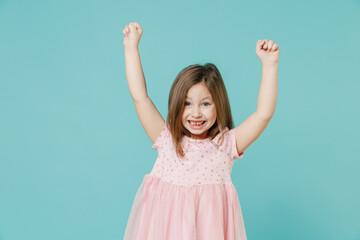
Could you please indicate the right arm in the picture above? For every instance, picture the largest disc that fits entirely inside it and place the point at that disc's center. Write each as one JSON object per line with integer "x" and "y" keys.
{"x": 149, "y": 116}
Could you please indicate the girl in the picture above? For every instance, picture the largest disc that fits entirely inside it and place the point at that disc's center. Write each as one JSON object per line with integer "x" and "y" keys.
{"x": 189, "y": 194}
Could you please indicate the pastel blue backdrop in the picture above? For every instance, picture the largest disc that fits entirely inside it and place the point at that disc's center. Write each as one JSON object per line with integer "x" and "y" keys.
{"x": 73, "y": 152}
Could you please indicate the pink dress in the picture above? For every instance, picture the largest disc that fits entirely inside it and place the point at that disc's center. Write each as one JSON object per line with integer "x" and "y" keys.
{"x": 189, "y": 198}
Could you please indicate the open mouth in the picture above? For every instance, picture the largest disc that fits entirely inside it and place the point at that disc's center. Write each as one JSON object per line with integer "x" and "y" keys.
{"x": 196, "y": 124}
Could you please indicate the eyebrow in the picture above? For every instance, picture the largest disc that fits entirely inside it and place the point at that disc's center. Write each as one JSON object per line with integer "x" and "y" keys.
{"x": 209, "y": 97}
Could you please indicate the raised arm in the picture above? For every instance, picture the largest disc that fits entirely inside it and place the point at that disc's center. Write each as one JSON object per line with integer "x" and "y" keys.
{"x": 149, "y": 116}
{"x": 249, "y": 130}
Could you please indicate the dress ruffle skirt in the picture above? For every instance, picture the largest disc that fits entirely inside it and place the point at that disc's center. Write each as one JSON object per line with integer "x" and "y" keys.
{"x": 166, "y": 211}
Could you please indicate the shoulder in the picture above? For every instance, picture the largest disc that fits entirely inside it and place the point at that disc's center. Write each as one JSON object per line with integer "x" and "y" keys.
{"x": 227, "y": 141}
{"x": 162, "y": 138}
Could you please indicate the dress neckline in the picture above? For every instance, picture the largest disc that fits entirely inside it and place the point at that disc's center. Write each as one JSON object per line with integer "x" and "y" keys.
{"x": 196, "y": 140}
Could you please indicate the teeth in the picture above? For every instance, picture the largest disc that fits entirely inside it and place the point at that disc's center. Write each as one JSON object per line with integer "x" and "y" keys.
{"x": 196, "y": 123}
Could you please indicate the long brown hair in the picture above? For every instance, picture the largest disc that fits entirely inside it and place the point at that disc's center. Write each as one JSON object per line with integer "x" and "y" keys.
{"x": 189, "y": 76}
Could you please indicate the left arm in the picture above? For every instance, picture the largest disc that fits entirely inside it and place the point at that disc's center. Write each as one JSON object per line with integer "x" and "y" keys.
{"x": 249, "y": 130}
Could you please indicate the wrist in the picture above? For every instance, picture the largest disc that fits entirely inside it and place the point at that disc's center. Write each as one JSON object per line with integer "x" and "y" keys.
{"x": 131, "y": 48}
{"x": 270, "y": 64}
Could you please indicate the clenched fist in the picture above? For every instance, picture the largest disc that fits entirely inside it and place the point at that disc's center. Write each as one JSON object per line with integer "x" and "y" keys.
{"x": 267, "y": 51}
{"x": 132, "y": 34}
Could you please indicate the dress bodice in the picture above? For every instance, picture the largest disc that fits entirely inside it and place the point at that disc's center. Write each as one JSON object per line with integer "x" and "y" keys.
{"x": 206, "y": 161}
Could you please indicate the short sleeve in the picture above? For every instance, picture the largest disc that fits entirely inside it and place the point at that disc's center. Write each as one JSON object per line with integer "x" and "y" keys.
{"x": 161, "y": 138}
{"x": 233, "y": 149}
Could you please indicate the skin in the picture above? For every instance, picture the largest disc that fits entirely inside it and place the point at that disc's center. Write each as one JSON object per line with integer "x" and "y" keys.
{"x": 199, "y": 106}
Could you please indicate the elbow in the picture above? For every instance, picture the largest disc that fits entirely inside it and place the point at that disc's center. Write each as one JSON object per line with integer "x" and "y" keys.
{"x": 140, "y": 98}
{"x": 265, "y": 116}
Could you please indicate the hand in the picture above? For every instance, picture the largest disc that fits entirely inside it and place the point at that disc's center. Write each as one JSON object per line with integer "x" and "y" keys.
{"x": 267, "y": 51}
{"x": 132, "y": 33}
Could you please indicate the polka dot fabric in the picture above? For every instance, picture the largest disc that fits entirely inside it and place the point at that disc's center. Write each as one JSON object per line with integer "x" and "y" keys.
{"x": 191, "y": 197}
{"x": 203, "y": 163}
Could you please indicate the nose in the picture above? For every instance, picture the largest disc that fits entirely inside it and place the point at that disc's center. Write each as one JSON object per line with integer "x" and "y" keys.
{"x": 196, "y": 112}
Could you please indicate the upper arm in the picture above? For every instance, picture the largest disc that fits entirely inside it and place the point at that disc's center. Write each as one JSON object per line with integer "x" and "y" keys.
{"x": 249, "y": 130}
{"x": 150, "y": 118}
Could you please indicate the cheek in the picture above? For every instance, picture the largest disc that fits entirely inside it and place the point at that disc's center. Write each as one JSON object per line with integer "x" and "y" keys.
{"x": 184, "y": 115}
{"x": 212, "y": 113}
{"x": 214, "y": 116}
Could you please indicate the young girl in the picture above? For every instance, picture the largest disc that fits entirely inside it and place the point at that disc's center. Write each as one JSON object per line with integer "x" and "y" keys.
{"x": 189, "y": 194}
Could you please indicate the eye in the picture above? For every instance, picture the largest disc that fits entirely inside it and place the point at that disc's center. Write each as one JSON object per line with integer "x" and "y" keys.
{"x": 206, "y": 103}
{"x": 186, "y": 103}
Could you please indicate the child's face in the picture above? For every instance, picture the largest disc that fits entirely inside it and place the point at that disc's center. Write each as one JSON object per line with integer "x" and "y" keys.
{"x": 199, "y": 107}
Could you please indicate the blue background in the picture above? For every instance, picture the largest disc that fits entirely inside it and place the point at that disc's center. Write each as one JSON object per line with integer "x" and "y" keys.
{"x": 73, "y": 152}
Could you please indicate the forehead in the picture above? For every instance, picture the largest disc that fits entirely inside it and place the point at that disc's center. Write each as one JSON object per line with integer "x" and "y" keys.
{"x": 198, "y": 90}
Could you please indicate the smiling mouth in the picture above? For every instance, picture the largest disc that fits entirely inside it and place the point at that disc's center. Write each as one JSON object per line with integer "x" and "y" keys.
{"x": 196, "y": 123}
